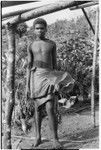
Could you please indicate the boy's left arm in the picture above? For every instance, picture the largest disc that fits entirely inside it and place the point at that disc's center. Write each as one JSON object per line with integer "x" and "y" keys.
{"x": 54, "y": 60}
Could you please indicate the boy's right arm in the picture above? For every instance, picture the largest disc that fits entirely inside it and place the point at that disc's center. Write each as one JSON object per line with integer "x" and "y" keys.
{"x": 30, "y": 63}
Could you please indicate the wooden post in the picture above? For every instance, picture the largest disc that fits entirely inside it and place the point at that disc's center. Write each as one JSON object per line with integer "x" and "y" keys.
{"x": 0, "y": 94}
{"x": 10, "y": 99}
{"x": 94, "y": 65}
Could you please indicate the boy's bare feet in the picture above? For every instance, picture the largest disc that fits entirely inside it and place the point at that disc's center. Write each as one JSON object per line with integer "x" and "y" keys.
{"x": 56, "y": 144}
{"x": 37, "y": 142}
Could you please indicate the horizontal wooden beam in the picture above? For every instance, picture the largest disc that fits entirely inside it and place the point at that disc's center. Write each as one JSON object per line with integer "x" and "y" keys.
{"x": 84, "y": 5}
{"x": 14, "y": 3}
{"x": 12, "y": 14}
{"x": 46, "y": 10}
{"x": 18, "y": 12}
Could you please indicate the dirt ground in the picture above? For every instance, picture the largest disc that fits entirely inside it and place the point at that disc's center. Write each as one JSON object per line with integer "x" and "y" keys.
{"x": 75, "y": 131}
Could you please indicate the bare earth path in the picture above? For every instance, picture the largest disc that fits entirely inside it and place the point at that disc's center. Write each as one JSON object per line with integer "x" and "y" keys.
{"x": 75, "y": 131}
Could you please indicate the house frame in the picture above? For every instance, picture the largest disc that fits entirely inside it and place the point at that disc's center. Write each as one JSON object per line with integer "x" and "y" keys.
{"x": 22, "y": 16}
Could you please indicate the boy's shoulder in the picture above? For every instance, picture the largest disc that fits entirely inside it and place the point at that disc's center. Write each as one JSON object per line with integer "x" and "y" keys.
{"x": 52, "y": 42}
{"x": 46, "y": 40}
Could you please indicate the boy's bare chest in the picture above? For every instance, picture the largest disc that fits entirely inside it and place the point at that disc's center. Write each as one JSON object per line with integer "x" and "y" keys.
{"x": 42, "y": 47}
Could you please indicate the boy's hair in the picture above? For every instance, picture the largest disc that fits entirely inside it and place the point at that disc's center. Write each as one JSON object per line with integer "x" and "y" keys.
{"x": 40, "y": 21}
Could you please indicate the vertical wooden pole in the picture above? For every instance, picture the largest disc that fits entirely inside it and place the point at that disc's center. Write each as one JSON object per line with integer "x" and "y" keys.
{"x": 94, "y": 65}
{"x": 0, "y": 90}
{"x": 10, "y": 99}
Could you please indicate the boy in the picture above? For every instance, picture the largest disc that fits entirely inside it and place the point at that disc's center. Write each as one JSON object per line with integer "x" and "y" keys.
{"x": 43, "y": 80}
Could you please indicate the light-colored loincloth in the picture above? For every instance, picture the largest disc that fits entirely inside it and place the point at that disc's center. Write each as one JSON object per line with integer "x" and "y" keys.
{"x": 44, "y": 82}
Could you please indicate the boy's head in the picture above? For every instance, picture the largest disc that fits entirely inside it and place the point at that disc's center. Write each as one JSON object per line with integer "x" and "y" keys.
{"x": 40, "y": 21}
{"x": 40, "y": 27}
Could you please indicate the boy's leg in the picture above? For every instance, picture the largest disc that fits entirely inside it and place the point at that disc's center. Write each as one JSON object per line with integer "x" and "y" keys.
{"x": 38, "y": 120}
{"x": 52, "y": 123}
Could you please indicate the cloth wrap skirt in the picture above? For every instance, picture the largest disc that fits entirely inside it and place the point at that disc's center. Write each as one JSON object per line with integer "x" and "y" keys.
{"x": 44, "y": 82}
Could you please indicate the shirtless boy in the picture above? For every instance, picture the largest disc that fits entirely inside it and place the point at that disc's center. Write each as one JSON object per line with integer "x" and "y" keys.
{"x": 43, "y": 80}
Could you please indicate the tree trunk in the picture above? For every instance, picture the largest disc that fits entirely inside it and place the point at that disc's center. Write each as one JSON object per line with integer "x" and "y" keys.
{"x": 10, "y": 99}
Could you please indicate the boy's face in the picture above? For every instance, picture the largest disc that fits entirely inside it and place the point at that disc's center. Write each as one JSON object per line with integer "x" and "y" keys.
{"x": 40, "y": 30}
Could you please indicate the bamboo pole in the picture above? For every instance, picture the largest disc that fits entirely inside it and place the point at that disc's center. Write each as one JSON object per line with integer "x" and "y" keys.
{"x": 46, "y": 10}
{"x": 10, "y": 99}
{"x": 94, "y": 65}
{"x": 84, "y": 5}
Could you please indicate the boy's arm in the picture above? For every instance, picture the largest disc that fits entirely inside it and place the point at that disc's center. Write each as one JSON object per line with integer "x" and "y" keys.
{"x": 54, "y": 60}
{"x": 30, "y": 63}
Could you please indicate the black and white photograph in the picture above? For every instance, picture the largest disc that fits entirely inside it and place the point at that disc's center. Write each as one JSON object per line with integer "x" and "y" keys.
{"x": 50, "y": 56}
